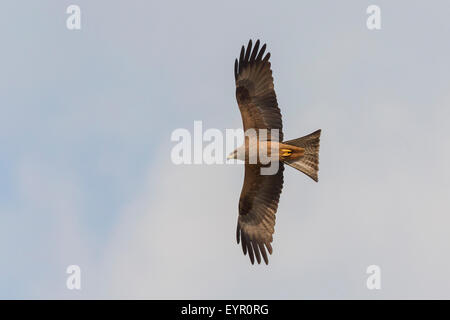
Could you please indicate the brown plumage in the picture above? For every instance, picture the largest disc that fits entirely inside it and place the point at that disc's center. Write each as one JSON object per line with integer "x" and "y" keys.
{"x": 260, "y": 194}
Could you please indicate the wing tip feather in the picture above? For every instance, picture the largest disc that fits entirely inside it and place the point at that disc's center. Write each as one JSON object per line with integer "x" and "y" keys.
{"x": 256, "y": 249}
{"x": 251, "y": 54}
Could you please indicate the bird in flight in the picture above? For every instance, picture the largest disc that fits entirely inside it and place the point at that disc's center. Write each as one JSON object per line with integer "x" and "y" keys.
{"x": 260, "y": 193}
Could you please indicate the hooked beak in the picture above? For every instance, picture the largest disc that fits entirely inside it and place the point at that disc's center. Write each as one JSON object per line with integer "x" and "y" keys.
{"x": 230, "y": 156}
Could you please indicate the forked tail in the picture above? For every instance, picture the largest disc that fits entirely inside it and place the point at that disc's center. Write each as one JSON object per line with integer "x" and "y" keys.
{"x": 309, "y": 162}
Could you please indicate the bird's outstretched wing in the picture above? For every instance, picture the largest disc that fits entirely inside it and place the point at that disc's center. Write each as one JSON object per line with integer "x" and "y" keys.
{"x": 257, "y": 207}
{"x": 260, "y": 193}
{"x": 254, "y": 91}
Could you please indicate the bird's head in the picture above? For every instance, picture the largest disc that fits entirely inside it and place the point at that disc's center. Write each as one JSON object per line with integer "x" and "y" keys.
{"x": 239, "y": 154}
{"x": 232, "y": 155}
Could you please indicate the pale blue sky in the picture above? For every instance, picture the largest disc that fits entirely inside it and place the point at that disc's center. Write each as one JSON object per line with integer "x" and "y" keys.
{"x": 85, "y": 171}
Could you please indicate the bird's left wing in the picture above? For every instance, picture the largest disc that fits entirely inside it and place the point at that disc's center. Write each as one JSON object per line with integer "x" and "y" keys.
{"x": 255, "y": 92}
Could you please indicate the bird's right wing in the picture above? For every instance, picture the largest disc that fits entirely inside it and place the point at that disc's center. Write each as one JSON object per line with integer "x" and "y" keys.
{"x": 257, "y": 207}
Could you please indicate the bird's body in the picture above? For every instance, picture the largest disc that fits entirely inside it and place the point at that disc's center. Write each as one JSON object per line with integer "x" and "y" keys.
{"x": 276, "y": 151}
{"x": 260, "y": 193}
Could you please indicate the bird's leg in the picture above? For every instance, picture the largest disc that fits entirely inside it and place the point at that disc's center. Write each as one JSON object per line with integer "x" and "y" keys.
{"x": 290, "y": 152}
{"x": 286, "y": 152}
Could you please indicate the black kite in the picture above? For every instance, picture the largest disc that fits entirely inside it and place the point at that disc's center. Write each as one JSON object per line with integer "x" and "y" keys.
{"x": 260, "y": 194}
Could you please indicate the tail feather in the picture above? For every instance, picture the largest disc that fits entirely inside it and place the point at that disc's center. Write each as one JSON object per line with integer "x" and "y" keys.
{"x": 309, "y": 162}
